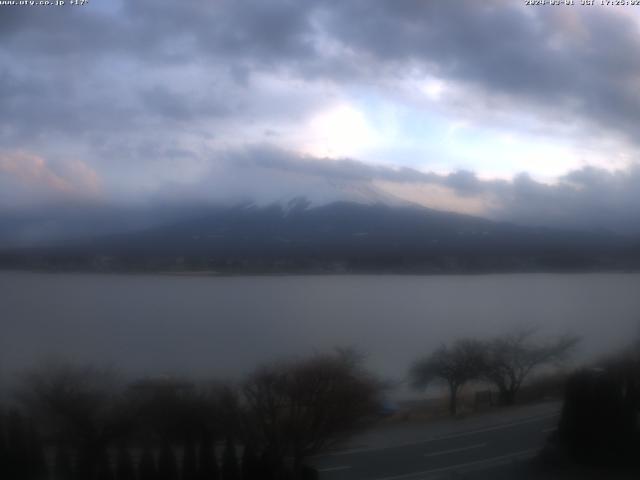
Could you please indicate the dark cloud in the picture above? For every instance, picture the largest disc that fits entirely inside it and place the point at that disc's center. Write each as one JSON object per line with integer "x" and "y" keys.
{"x": 586, "y": 198}
{"x": 571, "y": 61}
{"x": 464, "y": 183}
{"x": 179, "y": 105}
{"x": 343, "y": 169}
{"x": 249, "y": 31}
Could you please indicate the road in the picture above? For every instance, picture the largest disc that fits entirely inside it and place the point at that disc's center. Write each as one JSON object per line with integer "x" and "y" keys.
{"x": 463, "y": 451}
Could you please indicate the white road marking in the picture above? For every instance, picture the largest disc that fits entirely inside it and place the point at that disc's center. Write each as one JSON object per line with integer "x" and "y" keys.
{"x": 487, "y": 461}
{"x": 334, "y": 469}
{"x": 454, "y": 450}
{"x": 445, "y": 437}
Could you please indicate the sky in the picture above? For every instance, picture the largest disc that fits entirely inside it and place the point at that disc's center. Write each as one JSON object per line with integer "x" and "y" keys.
{"x": 496, "y": 109}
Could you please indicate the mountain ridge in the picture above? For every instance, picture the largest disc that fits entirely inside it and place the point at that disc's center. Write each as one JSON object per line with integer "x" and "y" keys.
{"x": 341, "y": 236}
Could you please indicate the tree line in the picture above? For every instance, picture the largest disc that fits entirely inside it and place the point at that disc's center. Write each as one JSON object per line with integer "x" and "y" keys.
{"x": 505, "y": 362}
{"x": 71, "y": 422}
{"x": 85, "y": 423}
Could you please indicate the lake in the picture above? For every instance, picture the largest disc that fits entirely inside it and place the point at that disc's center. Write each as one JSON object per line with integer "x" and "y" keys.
{"x": 225, "y": 326}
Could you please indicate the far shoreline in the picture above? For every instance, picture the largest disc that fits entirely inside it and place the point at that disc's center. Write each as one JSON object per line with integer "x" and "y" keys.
{"x": 319, "y": 273}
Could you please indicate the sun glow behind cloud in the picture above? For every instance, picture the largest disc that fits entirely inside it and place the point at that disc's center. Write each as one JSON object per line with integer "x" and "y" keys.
{"x": 433, "y": 89}
{"x": 339, "y": 132}
{"x": 387, "y": 132}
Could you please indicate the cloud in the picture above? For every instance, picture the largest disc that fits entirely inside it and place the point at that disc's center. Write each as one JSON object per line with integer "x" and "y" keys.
{"x": 584, "y": 199}
{"x": 498, "y": 53}
{"x": 165, "y": 99}
{"x": 32, "y": 170}
{"x": 27, "y": 179}
{"x": 590, "y": 198}
{"x": 554, "y": 63}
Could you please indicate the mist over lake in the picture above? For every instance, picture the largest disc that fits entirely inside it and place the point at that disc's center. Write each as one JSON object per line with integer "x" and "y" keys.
{"x": 225, "y": 326}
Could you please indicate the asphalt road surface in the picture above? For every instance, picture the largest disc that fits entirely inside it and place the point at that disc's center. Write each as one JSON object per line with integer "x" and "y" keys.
{"x": 468, "y": 454}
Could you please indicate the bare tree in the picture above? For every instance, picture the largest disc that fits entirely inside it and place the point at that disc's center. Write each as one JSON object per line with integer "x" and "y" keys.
{"x": 454, "y": 365}
{"x": 176, "y": 409}
{"x": 301, "y": 408}
{"x": 77, "y": 406}
{"x": 512, "y": 357}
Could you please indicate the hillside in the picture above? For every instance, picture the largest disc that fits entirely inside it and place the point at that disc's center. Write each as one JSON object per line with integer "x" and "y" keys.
{"x": 340, "y": 236}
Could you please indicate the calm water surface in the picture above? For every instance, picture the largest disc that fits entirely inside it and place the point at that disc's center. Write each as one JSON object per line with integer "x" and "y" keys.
{"x": 224, "y": 326}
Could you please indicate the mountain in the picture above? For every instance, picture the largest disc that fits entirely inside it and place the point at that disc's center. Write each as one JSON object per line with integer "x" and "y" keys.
{"x": 340, "y": 236}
